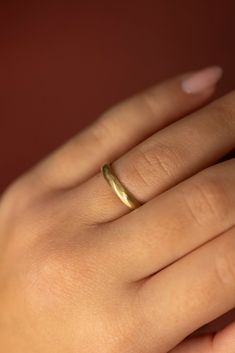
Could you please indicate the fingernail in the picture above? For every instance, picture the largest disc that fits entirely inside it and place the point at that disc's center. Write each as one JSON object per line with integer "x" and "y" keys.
{"x": 201, "y": 80}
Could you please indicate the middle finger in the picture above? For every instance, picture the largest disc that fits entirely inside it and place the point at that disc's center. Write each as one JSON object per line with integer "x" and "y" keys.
{"x": 163, "y": 160}
{"x": 173, "y": 224}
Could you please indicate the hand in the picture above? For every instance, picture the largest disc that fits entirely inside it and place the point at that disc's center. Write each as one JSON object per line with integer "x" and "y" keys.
{"x": 81, "y": 273}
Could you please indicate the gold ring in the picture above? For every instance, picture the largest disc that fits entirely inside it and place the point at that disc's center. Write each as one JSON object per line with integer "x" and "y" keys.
{"x": 124, "y": 195}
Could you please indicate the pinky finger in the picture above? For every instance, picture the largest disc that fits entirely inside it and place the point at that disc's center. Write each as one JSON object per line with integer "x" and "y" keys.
{"x": 221, "y": 342}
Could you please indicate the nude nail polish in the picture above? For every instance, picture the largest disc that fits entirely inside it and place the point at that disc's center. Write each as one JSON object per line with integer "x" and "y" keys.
{"x": 201, "y": 80}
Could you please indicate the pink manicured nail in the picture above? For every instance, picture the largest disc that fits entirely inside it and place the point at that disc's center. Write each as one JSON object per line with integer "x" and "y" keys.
{"x": 201, "y": 80}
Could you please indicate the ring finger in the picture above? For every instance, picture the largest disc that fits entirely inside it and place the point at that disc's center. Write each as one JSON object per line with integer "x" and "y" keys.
{"x": 164, "y": 159}
{"x": 119, "y": 129}
{"x": 171, "y": 225}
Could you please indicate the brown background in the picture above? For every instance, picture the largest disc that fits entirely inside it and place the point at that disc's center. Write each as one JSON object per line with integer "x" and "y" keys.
{"x": 63, "y": 63}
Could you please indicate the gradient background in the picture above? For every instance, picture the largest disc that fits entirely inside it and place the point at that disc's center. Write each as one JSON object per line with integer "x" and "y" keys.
{"x": 63, "y": 63}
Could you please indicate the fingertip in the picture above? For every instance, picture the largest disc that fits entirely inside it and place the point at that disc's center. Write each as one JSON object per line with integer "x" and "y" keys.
{"x": 201, "y": 81}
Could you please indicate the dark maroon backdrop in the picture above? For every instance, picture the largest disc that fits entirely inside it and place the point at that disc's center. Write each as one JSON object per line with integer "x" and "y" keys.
{"x": 63, "y": 63}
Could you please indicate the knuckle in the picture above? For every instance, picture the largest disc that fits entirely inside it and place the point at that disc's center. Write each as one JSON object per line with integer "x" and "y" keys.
{"x": 148, "y": 100}
{"x": 78, "y": 265}
{"x": 47, "y": 270}
{"x": 29, "y": 218}
{"x": 123, "y": 336}
{"x": 225, "y": 263}
{"x": 207, "y": 199}
{"x": 224, "y": 110}
{"x": 14, "y": 199}
{"x": 21, "y": 195}
{"x": 139, "y": 169}
{"x": 154, "y": 163}
{"x": 100, "y": 130}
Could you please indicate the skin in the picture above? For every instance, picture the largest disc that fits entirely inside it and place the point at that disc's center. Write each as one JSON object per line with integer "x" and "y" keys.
{"x": 81, "y": 273}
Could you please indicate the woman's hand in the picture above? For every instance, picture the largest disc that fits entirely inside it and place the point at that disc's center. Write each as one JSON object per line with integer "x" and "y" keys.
{"x": 81, "y": 273}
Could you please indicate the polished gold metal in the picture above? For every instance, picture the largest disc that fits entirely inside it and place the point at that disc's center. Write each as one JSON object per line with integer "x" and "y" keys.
{"x": 124, "y": 195}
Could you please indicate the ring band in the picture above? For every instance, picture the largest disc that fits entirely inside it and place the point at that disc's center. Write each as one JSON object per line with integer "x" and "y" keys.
{"x": 124, "y": 195}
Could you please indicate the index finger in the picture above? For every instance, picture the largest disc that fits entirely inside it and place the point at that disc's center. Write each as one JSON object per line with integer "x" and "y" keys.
{"x": 123, "y": 126}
